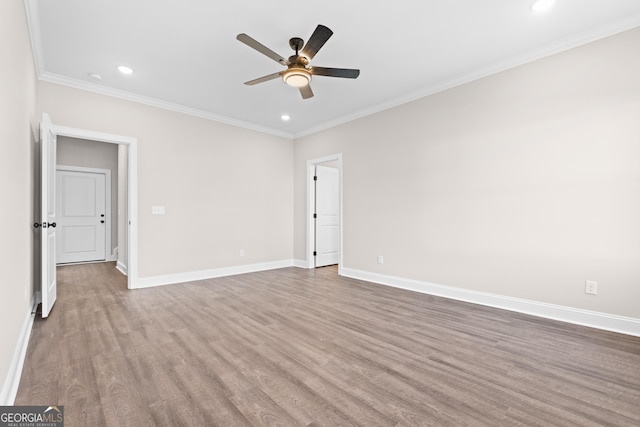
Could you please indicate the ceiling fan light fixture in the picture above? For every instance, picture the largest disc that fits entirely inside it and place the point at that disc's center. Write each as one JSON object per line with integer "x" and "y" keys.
{"x": 299, "y": 72}
{"x": 296, "y": 77}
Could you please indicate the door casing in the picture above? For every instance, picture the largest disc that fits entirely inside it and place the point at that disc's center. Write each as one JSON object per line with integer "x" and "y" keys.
{"x": 132, "y": 188}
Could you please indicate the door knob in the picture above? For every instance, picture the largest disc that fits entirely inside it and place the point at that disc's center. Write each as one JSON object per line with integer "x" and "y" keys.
{"x": 102, "y": 222}
{"x": 102, "y": 215}
{"x": 45, "y": 224}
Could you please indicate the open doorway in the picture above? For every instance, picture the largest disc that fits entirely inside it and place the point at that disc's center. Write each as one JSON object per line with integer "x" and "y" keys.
{"x": 324, "y": 211}
{"x": 126, "y": 213}
{"x": 87, "y": 202}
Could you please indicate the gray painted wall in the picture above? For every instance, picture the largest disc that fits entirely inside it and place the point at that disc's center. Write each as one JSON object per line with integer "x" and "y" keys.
{"x": 18, "y": 135}
{"x": 522, "y": 184}
{"x": 224, "y": 188}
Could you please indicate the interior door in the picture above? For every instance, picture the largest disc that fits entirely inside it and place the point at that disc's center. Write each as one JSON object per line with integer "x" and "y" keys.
{"x": 81, "y": 210}
{"x": 48, "y": 282}
{"x": 327, "y": 216}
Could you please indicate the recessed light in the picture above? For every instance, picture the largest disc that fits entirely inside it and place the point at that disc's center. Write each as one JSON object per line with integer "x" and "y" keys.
{"x": 285, "y": 117}
{"x": 542, "y": 5}
{"x": 124, "y": 69}
{"x": 95, "y": 76}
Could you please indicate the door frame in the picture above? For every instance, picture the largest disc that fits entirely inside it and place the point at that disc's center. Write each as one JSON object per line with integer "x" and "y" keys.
{"x": 132, "y": 188}
{"x": 108, "y": 253}
{"x": 311, "y": 197}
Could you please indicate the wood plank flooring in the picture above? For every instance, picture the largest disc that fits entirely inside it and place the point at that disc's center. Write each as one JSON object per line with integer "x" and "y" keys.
{"x": 296, "y": 347}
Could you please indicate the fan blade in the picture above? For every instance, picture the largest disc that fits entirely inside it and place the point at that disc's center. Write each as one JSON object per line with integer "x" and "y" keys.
{"x": 316, "y": 41}
{"x": 347, "y": 73}
{"x": 263, "y": 79}
{"x": 252, "y": 43}
{"x": 306, "y": 92}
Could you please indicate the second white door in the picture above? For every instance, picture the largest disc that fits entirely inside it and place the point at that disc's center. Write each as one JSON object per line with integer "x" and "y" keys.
{"x": 82, "y": 222}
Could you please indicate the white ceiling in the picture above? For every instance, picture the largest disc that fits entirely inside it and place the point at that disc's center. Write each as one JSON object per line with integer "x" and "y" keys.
{"x": 186, "y": 56}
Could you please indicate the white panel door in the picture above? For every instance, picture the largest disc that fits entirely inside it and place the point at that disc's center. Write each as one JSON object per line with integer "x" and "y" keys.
{"x": 81, "y": 201}
{"x": 48, "y": 282}
{"x": 327, "y": 216}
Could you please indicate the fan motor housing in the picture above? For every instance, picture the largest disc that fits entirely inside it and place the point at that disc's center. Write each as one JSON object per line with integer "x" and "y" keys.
{"x": 296, "y": 43}
{"x": 298, "y": 60}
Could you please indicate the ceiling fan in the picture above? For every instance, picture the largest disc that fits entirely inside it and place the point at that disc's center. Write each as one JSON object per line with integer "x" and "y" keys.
{"x": 298, "y": 73}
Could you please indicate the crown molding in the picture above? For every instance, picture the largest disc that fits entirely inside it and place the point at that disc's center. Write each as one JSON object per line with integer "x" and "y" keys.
{"x": 157, "y": 103}
{"x": 568, "y": 43}
{"x": 33, "y": 24}
{"x": 550, "y": 49}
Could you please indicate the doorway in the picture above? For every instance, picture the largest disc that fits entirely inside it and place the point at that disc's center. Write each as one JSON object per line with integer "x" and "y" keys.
{"x": 127, "y": 182}
{"x": 324, "y": 212}
{"x": 82, "y": 155}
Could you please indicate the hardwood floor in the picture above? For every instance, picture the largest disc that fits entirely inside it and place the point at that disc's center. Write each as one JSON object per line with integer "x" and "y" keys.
{"x": 296, "y": 347}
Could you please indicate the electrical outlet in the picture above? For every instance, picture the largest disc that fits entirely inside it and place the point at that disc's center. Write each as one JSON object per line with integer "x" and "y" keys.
{"x": 241, "y": 252}
{"x": 380, "y": 259}
{"x": 591, "y": 287}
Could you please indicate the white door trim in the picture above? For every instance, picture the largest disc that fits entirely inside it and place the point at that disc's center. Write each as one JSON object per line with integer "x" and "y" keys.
{"x": 132, "y": 189}
{"x": 311, "y": 191}
{"x": 108, "y": 253}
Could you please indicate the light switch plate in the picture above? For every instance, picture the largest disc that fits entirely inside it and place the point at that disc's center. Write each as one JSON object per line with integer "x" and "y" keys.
{"x": 591, "y": 287}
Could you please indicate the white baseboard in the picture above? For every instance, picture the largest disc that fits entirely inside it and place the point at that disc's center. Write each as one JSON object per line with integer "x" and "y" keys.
{"x": 147, "y": 282}
{"x": 113, "y": 256}
{"x": 12, "y": 381}
{"x": 121, "y": 268}
{"x": 594, "y": 319}
{"x": 300, "y": 263}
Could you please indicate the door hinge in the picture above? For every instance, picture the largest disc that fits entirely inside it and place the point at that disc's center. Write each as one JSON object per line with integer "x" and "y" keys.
{"x": 315, "y": 178}
{"x": 315, "y": 216}
{"x": 315, "y": 253}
